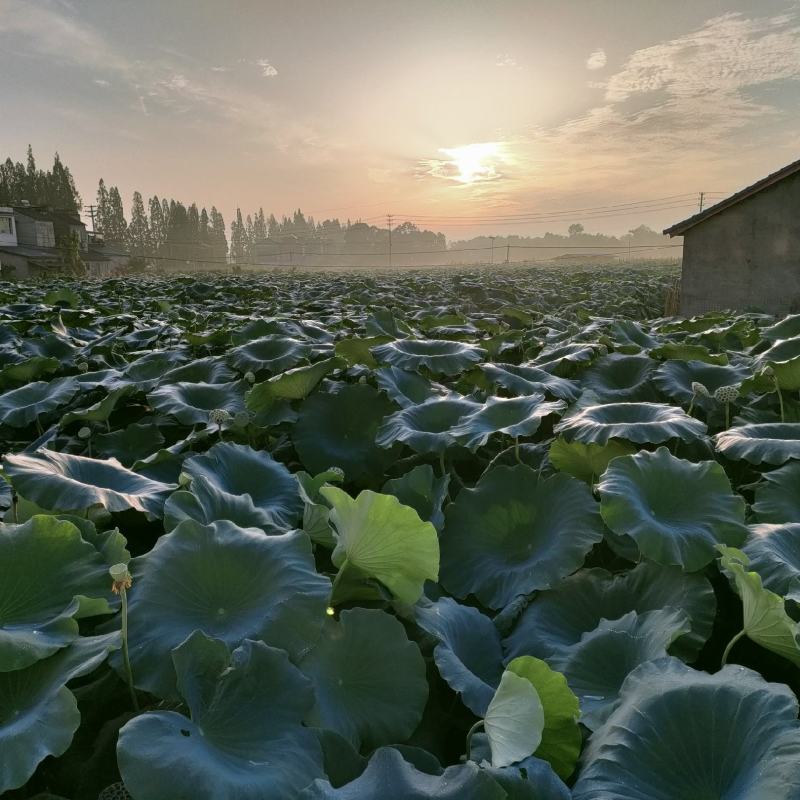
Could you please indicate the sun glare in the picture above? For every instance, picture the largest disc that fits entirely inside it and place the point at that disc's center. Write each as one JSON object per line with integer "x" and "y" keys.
{"x": 474, "y": 162}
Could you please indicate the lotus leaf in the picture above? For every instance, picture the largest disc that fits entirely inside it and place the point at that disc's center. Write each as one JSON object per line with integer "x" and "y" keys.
{"x": 681, "y": 733}
{"x": 764, "y": 443}
{"x": 618, "y": 378}
{"x": 675, "y": 379}
{"x": 423, "y": 491}
{"x": 292, "y": 385}
{"x": 777, "y": 497}
{"x": 272, "y": 353}
{"x": 525, "y": 380}
{"x": 21, "y": 407}
{"x": 586, "y": 461}
{"x": 190, "y": 403}
{"x": 440, "y": 356}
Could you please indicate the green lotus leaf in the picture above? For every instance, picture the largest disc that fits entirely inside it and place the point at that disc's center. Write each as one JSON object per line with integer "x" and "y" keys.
{"x": 515, "y": 533}
{"x": 382, "y": 539}
{"x": 426, "y": 428}
{"x": 129, "y": 444}
{"x": 202, "y": 370}
{"x": 786, "y": 328}
{"x": 383, "y": 323}
{"x": 784, "y": 358}
{"x": 586, "y": 461}
{"x": 338, "y": 427}
{"x": 21, "y": 407}
{"x": 357, "y": 350}
{"x": 146, "y": 371}
{"x": 777, "y": 496}
{"x": 618, "y": 378}
{"x": 60, "y": 482}
{"x": 564, "y": 359}
{"x": 6, "y": 497}
{"x": 99, "y": 411}
{"x": 315, "y": 510}
{"x": 764, "y": 443}
{"x": 49, "y": 577}
{"x": 774, "y": 553}
{"x": 468, "y": 654}
{"x": 681, "y": 733}
{"x": 515, "y": 416}
{"x": 557, "y": 619}
{"x": 190, "y": 403}
{"x": 295, "y": 384}
{"x": 234, "y": 482}
{"x": 641, "y": 423}
{"x": 514, "y": 720}
{"x": 390, "y": 777}
{"x": 272, "y": 353}
{"x": 688, "y": 351}
{"x": 440, "y": 356}
{"x": 407, "y": 388}
{"x": 675, "y": 379}
{"x": 231, "y": 583}
{"x": 369, "y": 679}
{"x": 596, "y": 667}
{"x": 28, "y": 370}
{"x": 561, "y": 736}
{"x": 38, "y": 714}
{"x": 244, "y": 740}
{"x": 765, "y": 620}
{"x": 64, "y": 297}
{"x": 529, "y": 779}
{"x": 676, "y": 511}
{"x": 525, "y": 380}
{"x": 423, "y": 491}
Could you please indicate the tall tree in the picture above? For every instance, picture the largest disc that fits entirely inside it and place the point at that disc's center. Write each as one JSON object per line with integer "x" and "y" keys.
{"x": 32, "y": 179}
{"x": 103, "y": 212}
{"x": 116, "y": 224}
{"x": 238, "y": 238}
{"x": 139, "y": 239}
{"x": 158, "y": 227}
{"x": 218, "y": 233}
{"x": 203, "y": 231}
{"x": 61, "y": 190}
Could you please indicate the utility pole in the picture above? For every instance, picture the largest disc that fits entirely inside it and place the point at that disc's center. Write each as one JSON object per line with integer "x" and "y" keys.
{"x": 492, "y": 258}
{"x": 389, "y": 224}
{"x": 702, "y": 197}
{"x": 92, "y": 212}
{"x": 508, "y": 251}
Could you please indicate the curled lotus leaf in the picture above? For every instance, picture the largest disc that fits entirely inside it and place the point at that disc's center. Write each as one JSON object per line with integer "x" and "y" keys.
{"x": 202, "y": 370}
{"x": 38, "y": 713}
{"x": 777, "y": 495}
{"x": 784, "y": 359}
{"x": 427, "y": 427}
{"x": 190, "y": 403}
{"x": 272, "y": 353}
{"x": 514, "y": 416}
{"x": 407, "y": 388}
{"x": 338, "y": 427}
{"x": 468, "y": 655}
{"x": 230, "y": 583}
{"x": 761, "y": 443}
{"x": 440, "y": 356}
{"x": 557, "y": 619}
{"x": 678, "y": 732}
{"x": 524, "y": 380}
{"x": 675, "y": 378}
{"x": 641, "y": 423}
{"x": 423, "y": 491}
{"x": 38, "y": 614}
{"x": 63, "y": 482}
{"x": 618, "y": 378}
{"x": 235, "y": 482}
{"x": 675, "y": 510}
{"x": 387, "y": 768}
{"x": 596, "y": 667}
{"x": 774, "y": 553}
{"x": 21, "y": 407}
{"x": 514, "y": 533}
{"x": 369, "y": 679}
{"x": 244, "y": 740}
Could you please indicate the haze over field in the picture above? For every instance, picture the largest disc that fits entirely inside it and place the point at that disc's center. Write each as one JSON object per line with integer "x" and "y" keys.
{"x": 463, "y": 117}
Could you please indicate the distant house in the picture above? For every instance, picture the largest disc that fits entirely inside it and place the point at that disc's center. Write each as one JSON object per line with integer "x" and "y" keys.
{"x": 31, "y": 244}
{"x": 744, "y": 252}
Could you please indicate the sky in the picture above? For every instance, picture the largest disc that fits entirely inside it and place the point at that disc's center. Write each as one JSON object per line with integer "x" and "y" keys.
{"x": 465, "y": 116}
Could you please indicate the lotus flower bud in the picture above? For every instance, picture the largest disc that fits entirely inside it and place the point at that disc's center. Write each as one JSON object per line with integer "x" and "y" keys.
{"x": 84, "y": 432}
{"x": 82, "y": 366}
{"x": 700, "y": 389}
{"x": 121, "y": 577}
{"x": 726, "y": 394}
{"x": 184, "y": 480}
{"x": 218, "y": 416}
{"x": 250, "y": 377}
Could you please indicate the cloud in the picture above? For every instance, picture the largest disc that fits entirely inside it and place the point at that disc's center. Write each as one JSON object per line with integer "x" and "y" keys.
{"x": 219, "y": 69}
{"x": 267, "y": 70}
{"x": 597, "y": 60}
{"x": 505, "y": 60}
{"x": 101, "y": 82}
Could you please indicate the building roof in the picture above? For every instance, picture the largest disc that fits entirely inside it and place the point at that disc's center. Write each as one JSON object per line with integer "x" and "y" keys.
{"x": 47, "y": 214}
{"x": 37, "y": 253}
{"x": 681, "y": 227}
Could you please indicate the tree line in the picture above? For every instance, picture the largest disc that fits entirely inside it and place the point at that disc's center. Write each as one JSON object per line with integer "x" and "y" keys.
{"x": 21, "y": 183}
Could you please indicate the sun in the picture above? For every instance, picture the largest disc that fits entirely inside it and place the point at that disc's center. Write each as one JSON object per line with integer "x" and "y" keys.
{"x": 474, "y": 162}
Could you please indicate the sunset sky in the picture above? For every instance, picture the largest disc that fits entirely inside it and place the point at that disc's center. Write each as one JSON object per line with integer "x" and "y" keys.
{"x": 467, "y": 117}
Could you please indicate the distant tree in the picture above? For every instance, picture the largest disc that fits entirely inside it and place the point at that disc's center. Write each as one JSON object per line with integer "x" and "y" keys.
{"x": 238, "y": 238}
{"x": 138, "y": 233}
{"x": 273, "y": 227}
{"x": 60, "y": 188}
{"x": 203, "y": 231}
{"x": 218, "y": 232}
{"x": 576, "y": 229}
{"x": 115, "y": 224}
{"x": 32, "y": 179}
{"x": 158, "y": 227}
{"x": 193, "y": 223}
{"x": 103, "y": 213}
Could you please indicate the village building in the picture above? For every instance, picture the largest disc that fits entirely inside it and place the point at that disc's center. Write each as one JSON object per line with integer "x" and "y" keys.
{"x": 744, "y": 252}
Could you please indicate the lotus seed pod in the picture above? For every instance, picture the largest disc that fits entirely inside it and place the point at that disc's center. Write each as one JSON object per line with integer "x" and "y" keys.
{"x": 700, "y": 389}
{"x": 121, "y": 577}
{"x": 84, "y": 432}
{"x": 218, "y": 416}
{"x": 83, "y": 366}
{"x": 250, "y": 377}
{"x": 726, "y": 394}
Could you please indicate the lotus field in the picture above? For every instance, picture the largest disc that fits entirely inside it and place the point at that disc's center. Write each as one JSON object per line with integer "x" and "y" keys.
{"x": 458, "y": 535}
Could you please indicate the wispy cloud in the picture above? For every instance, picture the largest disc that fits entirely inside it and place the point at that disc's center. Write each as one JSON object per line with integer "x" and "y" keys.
{"x": 267, "y": 70}
{"x": 597, "y": 60}
{"x": 504, "y": 60}
{"x": 101, "y": 82}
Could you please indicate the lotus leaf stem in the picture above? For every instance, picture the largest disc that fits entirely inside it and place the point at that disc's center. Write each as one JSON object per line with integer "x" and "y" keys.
{"x": 470, "y": 733}
{"x": 441, "y": 463}
{"x": 516, "y": 449}
{"x": 731, "y": 643}
{"x": 122, "y": 582}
